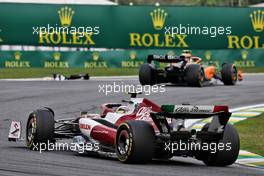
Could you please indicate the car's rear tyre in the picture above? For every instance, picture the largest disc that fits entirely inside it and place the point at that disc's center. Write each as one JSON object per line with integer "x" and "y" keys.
{"x": 227, "y": 156}
{"x": 229, "y": 74}
{"x": 135, "y": 142}
{"x": 194, "y": 75}
{"x": 40, "y": 128}
{"x": 147, "y": 75}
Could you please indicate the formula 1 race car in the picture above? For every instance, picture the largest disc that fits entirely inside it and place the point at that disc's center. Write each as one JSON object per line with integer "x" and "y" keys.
{"x": 186, "y": 69}
{"x": 59, "y": 77}
{"x": 138, "y": 130}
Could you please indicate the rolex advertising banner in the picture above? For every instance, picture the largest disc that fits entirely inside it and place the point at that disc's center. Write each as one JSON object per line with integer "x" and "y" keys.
{"x": 143, "y": 27}
{"x": 121, "y": 59}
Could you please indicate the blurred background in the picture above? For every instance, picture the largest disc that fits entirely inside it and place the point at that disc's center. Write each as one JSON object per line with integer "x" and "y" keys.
{"x": 21, "y": 55}
{"x": 230, "y": 3}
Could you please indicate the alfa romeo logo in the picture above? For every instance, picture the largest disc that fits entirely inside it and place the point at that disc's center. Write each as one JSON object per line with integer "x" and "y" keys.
{"x": 143, "y": 113}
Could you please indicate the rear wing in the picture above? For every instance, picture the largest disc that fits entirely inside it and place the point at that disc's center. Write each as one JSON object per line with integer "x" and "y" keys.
{"x": 165, "y": 58}
{"x": 193, "y": 112}
{"x": 220, "y": 115}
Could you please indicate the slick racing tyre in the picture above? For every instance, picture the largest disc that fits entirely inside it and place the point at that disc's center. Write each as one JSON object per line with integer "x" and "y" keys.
{"x": 147, "y": 75}
{"x": 40, "y": 128}
{"x": 229, "y": 74}
{"x": 135, "y": 141}
{"x": 227, "y": 156}
{"x": 194, "y": 75}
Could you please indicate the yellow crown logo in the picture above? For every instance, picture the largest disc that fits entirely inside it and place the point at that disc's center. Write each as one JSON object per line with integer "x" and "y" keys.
{"x": 56, "y": 56}
{"x": 158, "y": 18}
{"x": 17, "y": 55}
{"x": 65, "y": 14}
{"x": 95, "y": 56}
{"x": 208, "y": 55}
{"x": 133, "y": 55}
{"x": 244, "y": 54}
{"x": 257, "y": 20}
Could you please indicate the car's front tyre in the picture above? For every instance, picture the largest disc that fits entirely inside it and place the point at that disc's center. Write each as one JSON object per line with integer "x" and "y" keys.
{"x": 40, "y": 128}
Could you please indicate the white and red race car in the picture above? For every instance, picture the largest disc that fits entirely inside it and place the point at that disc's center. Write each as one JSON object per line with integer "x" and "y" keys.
{"x": 138, "y": 130}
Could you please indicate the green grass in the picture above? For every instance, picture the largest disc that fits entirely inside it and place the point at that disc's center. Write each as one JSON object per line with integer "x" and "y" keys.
{"x": 253, "y": 70}
{"x": 251, "y": 132}
{"x": 43, "y": 72}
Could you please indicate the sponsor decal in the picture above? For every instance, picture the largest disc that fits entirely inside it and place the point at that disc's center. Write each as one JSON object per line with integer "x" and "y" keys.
{"x": 193, "y": 109}
{"x": 65, "y": 33}
{"x": 159, "y": 39}
{"x": 133, "y": 62}
{"x": 100, "y": 131}
{"x": 244, "y": 61}
{"x": 96, "y": 63}
{"x": 209, "y": 60}
{"x": 17, "y": 62}
{"x": 144, "y": 113}
{"x": 56, "y": 62}
{"x": 250, "y": 41}
{"x": 85, "y": 126}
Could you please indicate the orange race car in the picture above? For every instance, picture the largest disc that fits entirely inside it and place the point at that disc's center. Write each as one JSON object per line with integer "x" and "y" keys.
{"x": 186, "y": 69}
{"x": 209, "y": 71}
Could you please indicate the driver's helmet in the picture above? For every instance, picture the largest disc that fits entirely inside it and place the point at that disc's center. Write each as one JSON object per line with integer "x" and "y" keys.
{"x": 122, "y": 109}
{"x": 186, "y": 53}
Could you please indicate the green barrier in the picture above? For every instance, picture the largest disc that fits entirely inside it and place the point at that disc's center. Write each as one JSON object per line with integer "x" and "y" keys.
{"x": 131, "y": 26}
{"x": 121, "y": 58}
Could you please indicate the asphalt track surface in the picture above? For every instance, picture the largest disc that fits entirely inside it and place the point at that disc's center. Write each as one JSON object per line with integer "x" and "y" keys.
{"x": 18, "y": 98}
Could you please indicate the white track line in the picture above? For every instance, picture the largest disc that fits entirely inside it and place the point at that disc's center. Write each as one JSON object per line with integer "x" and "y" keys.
{"x": 97, "y": 78}
{"x": 114, "y": 77}
{"x": 110, "y": 78}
